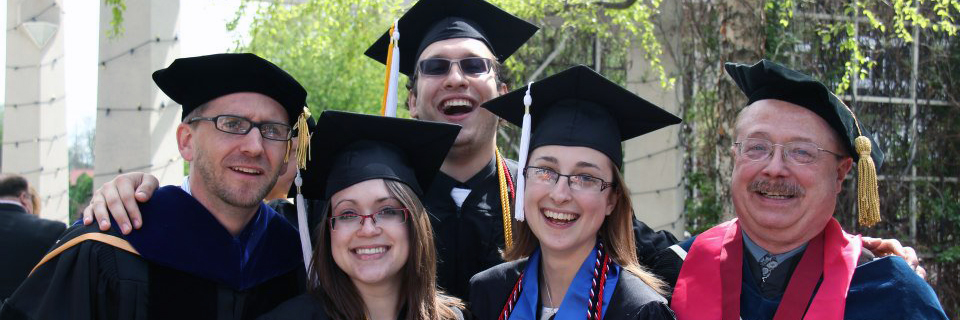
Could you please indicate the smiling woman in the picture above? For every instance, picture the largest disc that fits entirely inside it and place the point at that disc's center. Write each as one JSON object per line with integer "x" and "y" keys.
{"x": 574, "y": 242}
{"x": 375, "y": 257}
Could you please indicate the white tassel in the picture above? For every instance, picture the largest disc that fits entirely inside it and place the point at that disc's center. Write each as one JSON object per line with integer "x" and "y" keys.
{"x": 391, "y": 106}
{"x": 522, "y": 162}
{"x": 302, "y": 226}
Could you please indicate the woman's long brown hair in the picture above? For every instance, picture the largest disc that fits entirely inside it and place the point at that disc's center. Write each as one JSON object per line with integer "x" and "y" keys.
{"x": 616, "y": 233}
{"x": 418, "y": 288}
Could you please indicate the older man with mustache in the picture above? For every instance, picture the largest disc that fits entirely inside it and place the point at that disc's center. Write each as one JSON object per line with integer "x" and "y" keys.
{"x": 785, "y": 256}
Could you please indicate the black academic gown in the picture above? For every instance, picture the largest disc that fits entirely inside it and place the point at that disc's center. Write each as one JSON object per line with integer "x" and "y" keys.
{"x": 308, "y": 307}
{"x": 469, "y": 238}
{"x": 24, "y": 239}
{"x": 188, "y": 267}
{"x": 632, "y": 298}
{"x": 884, "y": 288}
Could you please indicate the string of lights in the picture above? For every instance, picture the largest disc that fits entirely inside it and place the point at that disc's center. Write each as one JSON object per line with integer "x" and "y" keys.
{"x": 139, "y": 108}
{"x": 131, "y": 51}
{"x": 41, "y": 65}
{"x": 147, "y": 167}
{"x": 42, "y": 171}
{"x": 34, "y": 17}
{"x": 36, "y": 103}
{"x": 657, "y": 191}
{"x": 17, "y": 143}
{"x": 650, "y": 155}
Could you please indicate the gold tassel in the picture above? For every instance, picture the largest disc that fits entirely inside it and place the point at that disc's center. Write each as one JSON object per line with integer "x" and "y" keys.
{"x": 303, "y": 139}
{"x": 867, "y": 195}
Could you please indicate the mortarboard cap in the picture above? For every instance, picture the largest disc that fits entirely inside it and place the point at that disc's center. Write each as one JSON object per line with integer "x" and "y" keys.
{"x": 429, "y": 21}
{"x": 194, "y": 81}
{"x": 579, "y": 107}
{"x": 349, "y": 148}
{"x": 770, "y": 80}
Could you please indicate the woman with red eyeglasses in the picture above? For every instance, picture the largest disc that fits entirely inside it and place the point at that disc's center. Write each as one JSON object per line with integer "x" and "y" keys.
{"x": 375, "y": 257}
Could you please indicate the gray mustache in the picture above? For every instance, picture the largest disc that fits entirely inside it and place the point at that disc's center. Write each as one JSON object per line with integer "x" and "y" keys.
{"x": 777, "y": 187}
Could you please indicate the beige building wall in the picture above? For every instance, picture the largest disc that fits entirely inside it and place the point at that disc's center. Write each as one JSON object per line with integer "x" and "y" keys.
{"x": 136, "y": 122}
{"x": 34, "y": 128}
{"x": 653, "y": 163}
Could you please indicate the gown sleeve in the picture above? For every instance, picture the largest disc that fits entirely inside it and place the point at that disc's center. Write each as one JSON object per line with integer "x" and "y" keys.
{"x": 90, "y": 280}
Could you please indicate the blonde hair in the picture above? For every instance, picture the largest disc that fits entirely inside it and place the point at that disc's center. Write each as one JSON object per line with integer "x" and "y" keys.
{"x": 616, "y": 233}
{"x": 35, "y": 198}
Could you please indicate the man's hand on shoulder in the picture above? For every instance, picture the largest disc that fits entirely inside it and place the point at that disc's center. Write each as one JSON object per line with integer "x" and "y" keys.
{"x": 119, "y": 198}
{"x": 892, "y": 247}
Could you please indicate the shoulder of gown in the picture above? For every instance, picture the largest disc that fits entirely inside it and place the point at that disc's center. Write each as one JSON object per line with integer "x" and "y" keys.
{"x": 111, "y": 280}
{"x": 304, "y": 306}
{"x": 489, "y": 288}
{"x": 634, "y": 299}
{"x": 887, "y": 288}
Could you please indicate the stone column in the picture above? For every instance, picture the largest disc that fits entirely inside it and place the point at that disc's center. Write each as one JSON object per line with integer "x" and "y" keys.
{"x": 653, "y": 163}
{"x": 136, "y": 122}
{"x": 34, "y": 128}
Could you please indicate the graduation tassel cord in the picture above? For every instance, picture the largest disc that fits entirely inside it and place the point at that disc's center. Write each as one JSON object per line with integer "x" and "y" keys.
{"x": 867, "y": 194}
{"x": 506, "y": 194}
{"x": 594, "y": 303}
{"x": 524, "y": 146}
{"x": 389, "y": 101}
{"x": 868, "y": 198}
{"x": 303, "y": 152}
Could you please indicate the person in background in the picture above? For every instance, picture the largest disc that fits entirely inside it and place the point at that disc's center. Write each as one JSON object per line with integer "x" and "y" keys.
{"x": 24, "y": 237}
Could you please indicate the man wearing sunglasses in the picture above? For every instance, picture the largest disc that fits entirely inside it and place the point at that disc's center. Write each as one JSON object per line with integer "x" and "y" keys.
{"x": 451, "y": 52}
{"x": 212, "y": 249}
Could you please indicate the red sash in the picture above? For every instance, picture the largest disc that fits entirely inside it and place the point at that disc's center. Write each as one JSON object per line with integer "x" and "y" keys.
{"x": 709, "y": 283}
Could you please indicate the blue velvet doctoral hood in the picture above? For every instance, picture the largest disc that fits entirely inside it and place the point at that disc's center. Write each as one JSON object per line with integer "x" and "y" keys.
{"x": 180, "y": 233}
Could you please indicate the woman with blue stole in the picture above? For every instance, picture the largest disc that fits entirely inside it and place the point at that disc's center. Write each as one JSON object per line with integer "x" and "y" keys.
{"x": 374, "y": 256}
{"x": 573, "y": 254}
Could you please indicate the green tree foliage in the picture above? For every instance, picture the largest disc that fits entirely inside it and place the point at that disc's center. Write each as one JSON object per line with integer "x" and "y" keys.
{"x": 117, "y": 8}
{"x": 321, "y": 42}
{"x": 80, "y": 194}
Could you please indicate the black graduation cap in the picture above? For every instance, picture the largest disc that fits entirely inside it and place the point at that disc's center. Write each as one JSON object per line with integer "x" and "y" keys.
{"x": 194, "y": 81}
{"x": 579, "y": 107}
{"x": 348, "y": 148}
{"x": 770, "y": 80}
{"x": 429, "y": 21}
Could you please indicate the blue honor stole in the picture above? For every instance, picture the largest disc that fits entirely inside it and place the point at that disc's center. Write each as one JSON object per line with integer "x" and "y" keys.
{"x": 577, "y": 299}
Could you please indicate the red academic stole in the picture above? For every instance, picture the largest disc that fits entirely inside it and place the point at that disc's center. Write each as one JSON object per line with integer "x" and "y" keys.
{"x": 709, "y": 283}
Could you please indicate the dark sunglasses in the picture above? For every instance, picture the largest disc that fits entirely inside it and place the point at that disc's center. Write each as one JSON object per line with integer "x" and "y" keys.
{"x": 470, "y": 66}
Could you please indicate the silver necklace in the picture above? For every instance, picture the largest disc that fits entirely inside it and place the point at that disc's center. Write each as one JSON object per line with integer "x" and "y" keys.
{"x": 549, "y": 295}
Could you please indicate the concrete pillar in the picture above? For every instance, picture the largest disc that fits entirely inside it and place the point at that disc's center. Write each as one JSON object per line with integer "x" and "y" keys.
{"x": 34, "y": 128}
{"x": 653, "y": 163}
{"x": 136, "y": 122}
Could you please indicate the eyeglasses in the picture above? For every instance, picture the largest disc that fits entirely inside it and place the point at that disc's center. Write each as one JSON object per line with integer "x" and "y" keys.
{"x": 474, "y": 66}
{"x": 577, "y": 182}
{"x": 241, "y": 125}
{"x": 351, "y": 221}
{"x": 797, "y": 152}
